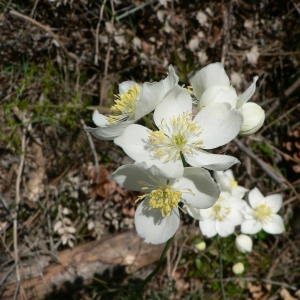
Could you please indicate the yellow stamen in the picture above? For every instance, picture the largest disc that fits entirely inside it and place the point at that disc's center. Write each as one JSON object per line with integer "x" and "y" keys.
{"x": 179, "y": 135}
{"x": 165, "y": 199}
{"x": 190, "y": 89}
{"x": 125, "y": 105}
{"x": 263, "y": 212}
{"x": 220, "y": 211}
{"x": 234, "y": 183}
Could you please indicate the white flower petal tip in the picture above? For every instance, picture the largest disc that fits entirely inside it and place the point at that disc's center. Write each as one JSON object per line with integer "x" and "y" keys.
{"x": 244, "y": 97}
{"x": 243, "y": 243}
{"x": 212, "y": 74}
{"x": 238, "y": 268}
{"x": 263, "y": 214}
{"x": 109, "y": 132}
{"x": 152, "y": 226}
{"x": 254, "y": 117}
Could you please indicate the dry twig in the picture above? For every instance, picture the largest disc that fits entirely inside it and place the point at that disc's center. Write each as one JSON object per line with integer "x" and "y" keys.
{"x": 266, "y": 168}
{"x": 15, "y": 216}
{"x": 92, "y": 145}
{"x": 47, "y": 29}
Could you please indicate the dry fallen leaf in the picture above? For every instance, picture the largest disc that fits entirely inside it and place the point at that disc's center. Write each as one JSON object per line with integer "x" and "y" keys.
{"x": 252, "y": 55}
{"x": 35, "y": 186}
{"x": 106, "y": 187}
{"x": 285, "y": 294}
{"x": 257, "y": 292}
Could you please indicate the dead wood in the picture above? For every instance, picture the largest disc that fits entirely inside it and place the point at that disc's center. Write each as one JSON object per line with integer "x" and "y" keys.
{"x": 84, "y": 261}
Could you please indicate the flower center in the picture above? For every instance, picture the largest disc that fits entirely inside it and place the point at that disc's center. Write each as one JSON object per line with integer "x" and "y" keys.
{"x": 233, "y": 183}
{"x": 165, "y": 199}
{"x": 125, "y": 105}
{"x": 220, "y": 211}
{"x": 179, "y": 135}
{"x": 263, "y": 212}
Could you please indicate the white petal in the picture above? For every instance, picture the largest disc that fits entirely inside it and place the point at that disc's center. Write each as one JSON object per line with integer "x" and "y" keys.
{"x": 150, "y": 96}
{"x": 135, "y": 143}
{"x": 217, "y": 93}
{"x": 193, "y": 212}
{"x": 175, "y": 103}
{"x": 171, "y": 80}
{"x": 255, "y": 198}
{"x": 220, "y": 124}
{"x": 244, "y": 97}
{"x": 224, "y": 228}
{"x": 128, "y": 176}
{"x": 152, "y": 226}
{"x": 213, "y": 74}
{"x": 109, "y": 132}
{"x": 239, "y": 191}
{"x": 236, "y": 216}
{"x": 276, "y": 226}
{"x": 208, "y": 228}
{"x": 198, "y": 188}
{"x": 216, "y": 162}
{"x": 126, "y": 85}
{"x": 274, "y": 201}
{"x": 99, "y": 119}
{"x": 229, "y": 174}
{"x": 223, "y": 180}
{"x": 250, "y": 226}
{"x": 153, "y": 93}
{"x": 205, "y": 213}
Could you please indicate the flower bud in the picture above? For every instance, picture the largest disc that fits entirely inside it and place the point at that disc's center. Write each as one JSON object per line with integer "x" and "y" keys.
{"x": 254, "y": 117}
{"x": 200, "y": 246}
{"x": 238, "y": 268}
{"x": 243, "y": 243}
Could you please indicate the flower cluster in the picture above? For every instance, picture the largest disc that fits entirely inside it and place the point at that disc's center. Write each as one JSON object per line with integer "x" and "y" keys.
{"x": 231, "y": 210}
{"x": 171, "y": 159}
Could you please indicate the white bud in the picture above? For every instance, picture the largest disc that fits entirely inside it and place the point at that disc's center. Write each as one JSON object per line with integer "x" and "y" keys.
{"x": 200, "y": 246}
{"x": 238, "y": 268}
{"x": 243, "y": 243}
{"x": 254, "y": 117}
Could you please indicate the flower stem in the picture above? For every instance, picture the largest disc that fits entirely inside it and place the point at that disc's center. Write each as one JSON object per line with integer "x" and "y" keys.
{"x": 149, "y": 124}
{"x": 154, "y": 272}
{"x": 221, "y": 269}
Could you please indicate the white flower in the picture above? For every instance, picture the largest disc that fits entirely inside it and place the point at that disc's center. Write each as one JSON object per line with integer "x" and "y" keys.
{"x": 243, "y": 243}
{"x": 181, "y": 134}
{"x": 222, "y": 217}
{"x": 133, "y": 102}
{"x": 254, "y": 117}
{"x": 157, "y": 217}
{"x": 238, "y": 268}
{"x": 211, "y": 84}
{"x": 229, "y": 184}
{"x": 263, "y": 214}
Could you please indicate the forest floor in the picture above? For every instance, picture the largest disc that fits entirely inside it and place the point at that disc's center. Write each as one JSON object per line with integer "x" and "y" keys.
{"x": 61, "y": 59}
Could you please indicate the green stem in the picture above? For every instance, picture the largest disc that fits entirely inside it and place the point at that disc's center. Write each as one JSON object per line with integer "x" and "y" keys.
{"x": 149, "y": 124}
{"x": 221, "y": 269}
{"x": 154, "y": 272}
